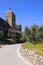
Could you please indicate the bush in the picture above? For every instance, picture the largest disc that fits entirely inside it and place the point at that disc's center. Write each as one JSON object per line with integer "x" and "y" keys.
{"x": 1, "y": 34}
{"x": 14, "y": 34}
{"x": 11, "y": 33}
{"x": 21, "y": 40}
{"x": 34, "y": 34}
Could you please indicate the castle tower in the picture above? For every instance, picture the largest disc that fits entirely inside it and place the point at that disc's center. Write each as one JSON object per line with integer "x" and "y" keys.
{"x": 10, "y": 18}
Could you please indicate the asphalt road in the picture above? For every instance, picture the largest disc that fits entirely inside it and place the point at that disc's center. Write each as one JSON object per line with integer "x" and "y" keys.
{"x": 9, "y": 55}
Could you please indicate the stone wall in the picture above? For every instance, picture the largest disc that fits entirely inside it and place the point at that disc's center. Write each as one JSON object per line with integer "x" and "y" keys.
{"x": 10, "y": 18}
{"x": 4, "y": 25}
{"x": 31, "y": 56}
{"x": 18, "y": 27}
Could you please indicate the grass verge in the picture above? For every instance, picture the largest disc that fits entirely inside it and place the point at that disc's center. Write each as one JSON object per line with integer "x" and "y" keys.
{"x": 10, "y": 39}
{"x": 38, "y": 48}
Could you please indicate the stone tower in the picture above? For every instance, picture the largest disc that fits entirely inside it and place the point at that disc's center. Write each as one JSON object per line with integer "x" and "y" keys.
{"x": 10, "y": 18}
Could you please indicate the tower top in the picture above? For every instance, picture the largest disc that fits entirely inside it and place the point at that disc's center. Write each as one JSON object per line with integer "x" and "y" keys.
{"x": 9, "y": 10}
{"x": 10, "y": 18}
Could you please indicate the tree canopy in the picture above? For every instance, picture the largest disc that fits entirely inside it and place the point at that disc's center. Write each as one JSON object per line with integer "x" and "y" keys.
{"x": 34, "y": 33}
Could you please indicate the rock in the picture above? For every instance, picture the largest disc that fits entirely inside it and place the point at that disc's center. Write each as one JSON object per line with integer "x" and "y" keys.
{"x": 31, "y": 56}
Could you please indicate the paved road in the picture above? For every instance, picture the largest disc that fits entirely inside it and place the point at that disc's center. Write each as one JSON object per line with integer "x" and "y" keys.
{"x": 9, "y": 56}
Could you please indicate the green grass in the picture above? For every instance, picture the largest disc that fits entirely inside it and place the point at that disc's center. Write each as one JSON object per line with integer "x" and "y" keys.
{"x": 38, "y": 48}
{"x": 10, "y": 39}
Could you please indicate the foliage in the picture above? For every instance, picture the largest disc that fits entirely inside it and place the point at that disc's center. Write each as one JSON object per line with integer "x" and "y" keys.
{"x": 22, "y": 39}
{"x": 34, "y": 34}
{"x": 14, "y": 34}
{"x": 10, "y": 39}
{"x": 41, "y": 32}
{"x": 1, "y": 34}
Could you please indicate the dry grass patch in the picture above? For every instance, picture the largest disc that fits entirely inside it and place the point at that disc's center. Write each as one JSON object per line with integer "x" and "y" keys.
{"x": 38, "y": 48}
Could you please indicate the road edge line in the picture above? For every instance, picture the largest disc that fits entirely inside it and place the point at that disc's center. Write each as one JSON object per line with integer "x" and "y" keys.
{"x": 24, "y": 60}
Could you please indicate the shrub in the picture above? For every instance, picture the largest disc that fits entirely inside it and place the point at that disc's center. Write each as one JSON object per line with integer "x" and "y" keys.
{"x": 22, "y": 39}
{"x": 1, "y": 34}
{"x": 14, "y": 34}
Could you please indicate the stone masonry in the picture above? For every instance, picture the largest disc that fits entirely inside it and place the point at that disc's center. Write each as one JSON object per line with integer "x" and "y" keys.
{"x": 10, "y": 17}
{"x": 10, "y": 21}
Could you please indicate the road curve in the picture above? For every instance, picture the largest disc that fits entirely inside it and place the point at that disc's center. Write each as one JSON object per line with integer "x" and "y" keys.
{"x": 9, "y": 55}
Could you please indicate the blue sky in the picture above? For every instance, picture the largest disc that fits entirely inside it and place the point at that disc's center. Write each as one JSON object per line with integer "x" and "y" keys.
{"x": 28, "y": 12}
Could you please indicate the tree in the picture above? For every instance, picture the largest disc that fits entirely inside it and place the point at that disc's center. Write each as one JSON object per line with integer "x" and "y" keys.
{"x": 2, "y": 35}
{"x": 41, "y": 32}
{"x": 27, "y": 32}
{"x": 35, "y": 33}
{"x": 15, "y": 34}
